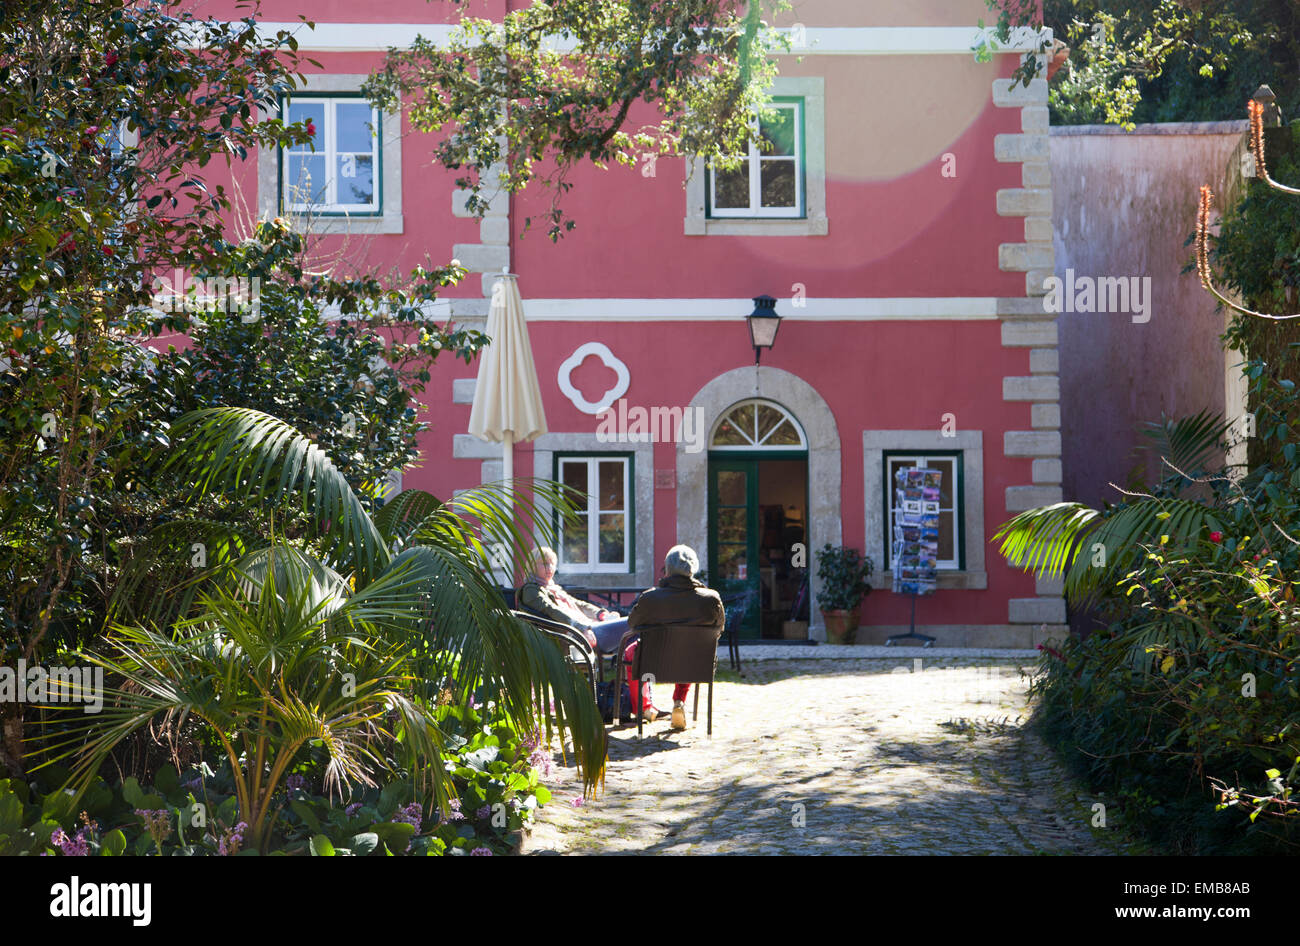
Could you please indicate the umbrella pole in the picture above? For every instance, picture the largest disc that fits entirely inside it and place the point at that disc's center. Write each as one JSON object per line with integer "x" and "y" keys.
{"x": 508, "y": 474}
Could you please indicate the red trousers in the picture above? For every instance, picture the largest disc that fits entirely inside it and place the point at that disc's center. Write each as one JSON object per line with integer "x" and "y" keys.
{"x": 634, "y": 685}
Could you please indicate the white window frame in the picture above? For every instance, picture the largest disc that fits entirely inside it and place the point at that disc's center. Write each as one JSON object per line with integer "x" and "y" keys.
{"x": 762, "y": 444}
{"x": 922, "y": 461}
{"x": 593, "y": 513}
{"x": 812, "y": 89}
{"x": 329, "y": 136}
{"x": 754, "y": 161}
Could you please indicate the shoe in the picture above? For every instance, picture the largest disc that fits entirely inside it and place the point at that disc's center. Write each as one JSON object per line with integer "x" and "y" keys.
{"x": 650, "y": 714}
{"x": 679, "y": 716}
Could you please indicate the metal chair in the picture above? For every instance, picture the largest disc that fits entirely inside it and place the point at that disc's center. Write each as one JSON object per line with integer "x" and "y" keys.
{"x": 580, "y": 654}
{"x": 737, "y": 607}
{"x": 673, "y": 653}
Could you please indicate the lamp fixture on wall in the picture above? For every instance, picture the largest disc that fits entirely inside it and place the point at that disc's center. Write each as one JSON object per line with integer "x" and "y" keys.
{"x": 763, "y": 323}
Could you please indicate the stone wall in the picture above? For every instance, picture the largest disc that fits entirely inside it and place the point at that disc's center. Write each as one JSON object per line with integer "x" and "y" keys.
{"x": 1124, "y": 204}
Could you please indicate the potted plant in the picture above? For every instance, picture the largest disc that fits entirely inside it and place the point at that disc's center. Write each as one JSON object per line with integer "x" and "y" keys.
{"x": 843, "y": 573}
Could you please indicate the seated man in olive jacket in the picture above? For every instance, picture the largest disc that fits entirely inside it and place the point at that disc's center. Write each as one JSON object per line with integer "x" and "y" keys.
{"x": 678, "y": 599}
{"x": 543, "y": 596}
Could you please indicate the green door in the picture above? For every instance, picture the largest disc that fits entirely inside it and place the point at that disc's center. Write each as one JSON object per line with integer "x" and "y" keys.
{"x": 734, "y": 533}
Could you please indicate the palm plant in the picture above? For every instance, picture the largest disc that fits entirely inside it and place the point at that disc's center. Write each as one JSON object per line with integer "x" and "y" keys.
{"x": 1093, "y": 548}
{"x": 398, "y": 606}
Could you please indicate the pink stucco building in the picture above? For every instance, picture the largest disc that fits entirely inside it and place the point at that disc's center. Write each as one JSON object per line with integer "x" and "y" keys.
{"x": 901, "y": 225}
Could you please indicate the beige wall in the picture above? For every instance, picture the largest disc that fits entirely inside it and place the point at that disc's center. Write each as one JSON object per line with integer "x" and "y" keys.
{"x": 919, "y": 106}
{"x": 1124, "y": 205}
{"x": 886, "y": 13}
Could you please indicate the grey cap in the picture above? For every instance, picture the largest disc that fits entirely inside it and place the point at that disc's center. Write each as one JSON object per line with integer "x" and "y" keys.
{"x": 681, "y": 560}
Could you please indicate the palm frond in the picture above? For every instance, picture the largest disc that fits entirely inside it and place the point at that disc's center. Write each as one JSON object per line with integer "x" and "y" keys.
{"x": 465, "y": 634}
{"x": 261, "y": 459}
{"x": 1188, "y": 443}
{"x": 398, "y": 518}
{"x": 1045, "y": 540}
{"x": 158, "y": 584}
{"x": 496, "y": 524}
{"x": 1093, "y": 548}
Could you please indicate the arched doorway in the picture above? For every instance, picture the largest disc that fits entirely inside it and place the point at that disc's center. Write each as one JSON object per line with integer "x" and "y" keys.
{"x": 800, "y": 400}
{"x": 758, "y": 513}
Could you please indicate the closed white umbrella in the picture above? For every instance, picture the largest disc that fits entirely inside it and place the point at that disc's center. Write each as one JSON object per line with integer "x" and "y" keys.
{"x": 507, "y": 400}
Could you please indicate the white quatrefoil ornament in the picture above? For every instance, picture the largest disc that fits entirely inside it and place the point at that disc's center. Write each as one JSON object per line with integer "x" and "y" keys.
{"x": 609, "y": 397}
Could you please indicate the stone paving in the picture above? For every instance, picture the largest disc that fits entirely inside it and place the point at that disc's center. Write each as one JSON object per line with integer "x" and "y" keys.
{"x": 908, "y": 754}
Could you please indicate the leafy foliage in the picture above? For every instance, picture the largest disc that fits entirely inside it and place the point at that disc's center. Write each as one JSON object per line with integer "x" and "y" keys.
{"x": 843, "y": 573}
{"x": 339, "y": 637}
{"x": 504, "y": 98}
{"x": 195, "y": 812}
{"x": 1162, "y": 60}
{"x": 1182, "y": 700}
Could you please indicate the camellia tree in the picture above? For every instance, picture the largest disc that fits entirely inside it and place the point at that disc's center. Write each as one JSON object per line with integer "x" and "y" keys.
{"x": 109, "y": 112}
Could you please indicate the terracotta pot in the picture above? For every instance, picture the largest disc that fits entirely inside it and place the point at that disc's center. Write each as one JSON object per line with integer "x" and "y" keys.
{"x": 841, "y": 626}
{"x": 1056, "y": 57}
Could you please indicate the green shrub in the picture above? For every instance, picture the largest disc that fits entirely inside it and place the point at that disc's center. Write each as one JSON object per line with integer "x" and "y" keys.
{"x": 1181, "y": 707}
{"x": 844, "y": 573}
{"x": 197, "y": 812}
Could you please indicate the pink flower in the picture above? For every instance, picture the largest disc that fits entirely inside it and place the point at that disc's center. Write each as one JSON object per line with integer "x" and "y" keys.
{"x": 576, "y": 802}
{"x": 311, "y": 128}
{"x": 1216, "y": 537}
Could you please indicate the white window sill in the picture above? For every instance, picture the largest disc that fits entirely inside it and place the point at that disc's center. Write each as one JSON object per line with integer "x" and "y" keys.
{"x": 388, "y": 223}
{"x": 756, "y": 226}
{"x": 949, "y": 579}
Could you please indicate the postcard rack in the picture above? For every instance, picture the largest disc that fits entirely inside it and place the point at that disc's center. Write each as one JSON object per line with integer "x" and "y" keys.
{"x": 915, "y": 553}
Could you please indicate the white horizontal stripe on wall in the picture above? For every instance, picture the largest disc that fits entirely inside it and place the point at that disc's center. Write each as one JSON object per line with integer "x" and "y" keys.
{"x": 813, "y": 310}
{"x": 814, "y": 40}
{"x": 903, "y": 309}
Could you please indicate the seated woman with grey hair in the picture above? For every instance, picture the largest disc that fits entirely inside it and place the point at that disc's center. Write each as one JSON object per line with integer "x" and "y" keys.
{"x": 543, "y": 596}
{"x": 679, "y": 598}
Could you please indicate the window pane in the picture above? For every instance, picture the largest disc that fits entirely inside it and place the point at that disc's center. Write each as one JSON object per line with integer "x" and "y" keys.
{"x": 731, "y": 562}
{"x": 948, "y": 467}
{"x": 778, "y": 133}
{"x": 574, "y": 475}
{"x": 611, "y": 486}
{"x": 784, "y": 436}
{"x": 732, "y": 524}
{"x": 305, "y": 178}
{"x": 612, "y": 543}
{"x": 768, "y": 418}
{"x": 574, "y": 547}
{"x": 315, "y": 111}
{"x": 731, "y": 189}
{"x": 356, "y": 178}
{"x": 947, "y": 539}
{"x": 728, "y": 436}
{"x": 779, "y": 183}
{"x": 731, "y": 488}
{"x": 354, "y": 127}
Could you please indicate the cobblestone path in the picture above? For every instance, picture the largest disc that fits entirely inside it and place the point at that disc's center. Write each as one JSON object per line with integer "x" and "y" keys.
{"x": 833, "y": 757}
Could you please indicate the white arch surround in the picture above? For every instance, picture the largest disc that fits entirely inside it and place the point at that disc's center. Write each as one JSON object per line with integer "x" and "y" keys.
{"x": 814, "y": 415}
